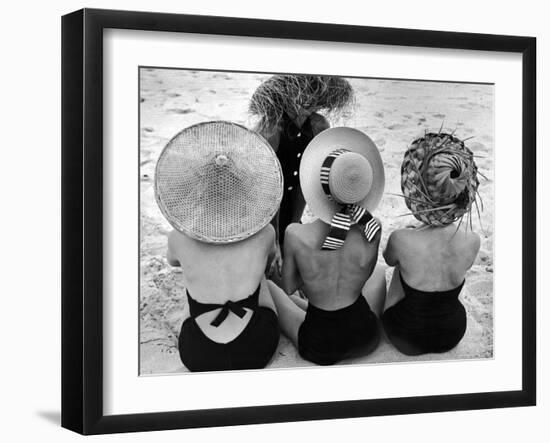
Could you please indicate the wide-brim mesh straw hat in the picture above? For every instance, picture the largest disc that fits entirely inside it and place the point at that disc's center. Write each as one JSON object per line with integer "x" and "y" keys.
{"x": 218, "y": 182}
{"x": 439, "y": 179}
{"x": 369, "y": 188}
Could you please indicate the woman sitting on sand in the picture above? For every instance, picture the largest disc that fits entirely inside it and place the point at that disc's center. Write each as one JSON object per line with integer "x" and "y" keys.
{"x": 287, "y": 107}
{"x": 333, "y": 259}
{"x": 219, "y": 185}
{"x": 423, "y": 313}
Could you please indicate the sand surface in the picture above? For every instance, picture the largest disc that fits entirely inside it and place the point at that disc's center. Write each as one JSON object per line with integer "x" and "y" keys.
{"x": 392, "y": 113}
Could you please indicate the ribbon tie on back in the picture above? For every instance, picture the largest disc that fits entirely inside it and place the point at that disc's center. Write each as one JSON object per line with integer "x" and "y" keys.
{"x": 350, "y": 213}
{"x": 235, "y": 307}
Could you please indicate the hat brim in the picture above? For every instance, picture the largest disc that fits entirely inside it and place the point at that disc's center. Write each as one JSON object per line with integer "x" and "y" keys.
{"x": 221, "y": 207}
{"x": 314, "y": 155}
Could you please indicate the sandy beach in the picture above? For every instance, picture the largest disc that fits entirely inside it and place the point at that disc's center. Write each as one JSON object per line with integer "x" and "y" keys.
{"x": 392, "y": 113}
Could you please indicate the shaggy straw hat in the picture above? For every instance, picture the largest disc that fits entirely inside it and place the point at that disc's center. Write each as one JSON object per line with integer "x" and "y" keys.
{"x": 218, "y": 182}
{"x": 439, "y": 179}
{"x": 292, "y": 93}
{"x": 356, "y": 176}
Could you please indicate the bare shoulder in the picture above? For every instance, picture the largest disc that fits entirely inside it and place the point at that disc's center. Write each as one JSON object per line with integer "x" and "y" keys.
{"x": 266, "y": 235}
{"x": 401, "y": 235}
{"x": 304, "y": 234}
{"x": 474, "y": 237}
{"x": 261, "y": 240}
{"x": 471, "y": 240}
{"x": 177, "y": 239}
{"x": 293, "y": 233}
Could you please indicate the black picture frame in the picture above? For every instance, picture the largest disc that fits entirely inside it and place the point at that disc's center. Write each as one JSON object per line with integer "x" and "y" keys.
{"x": 82, "y": 220}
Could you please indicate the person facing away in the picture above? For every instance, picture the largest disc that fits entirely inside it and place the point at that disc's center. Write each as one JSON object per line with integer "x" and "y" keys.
{"x": 333, "y": 260}
{"x": 287, "y": 107}
{"x": 423, "y": 313}
{"x": 220, "y": 200}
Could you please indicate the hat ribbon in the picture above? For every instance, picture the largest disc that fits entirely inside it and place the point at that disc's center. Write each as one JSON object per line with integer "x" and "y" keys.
{"x": 350, "y": 213}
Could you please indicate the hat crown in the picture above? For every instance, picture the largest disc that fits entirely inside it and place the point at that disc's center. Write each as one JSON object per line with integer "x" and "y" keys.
{"x": 439, "y": 179}
{"x": 223, "y": 179}
{"x": 312, "y": 180}
{"x": 221, "y": 160}
{"x": 350, "y": 178}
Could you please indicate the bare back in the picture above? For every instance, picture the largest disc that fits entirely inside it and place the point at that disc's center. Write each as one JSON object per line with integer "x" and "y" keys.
{"x": 330, "y": 279}
{"x": 218, "y": 273}
{"x": 432, "y": 259}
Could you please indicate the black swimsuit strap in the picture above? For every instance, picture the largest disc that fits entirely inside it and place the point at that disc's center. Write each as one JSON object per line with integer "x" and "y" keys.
{"x": 237, "y": 307}
{"x": 415, "y": 292}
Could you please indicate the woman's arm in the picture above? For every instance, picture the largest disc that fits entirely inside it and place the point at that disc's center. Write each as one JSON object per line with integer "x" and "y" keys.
{"x": 170, "y": 255}
{"x": 274, "y": 260}
{"x": 390, "y": 253}
{"x": 475, "y": 245}
{"x": 291, "y": 279}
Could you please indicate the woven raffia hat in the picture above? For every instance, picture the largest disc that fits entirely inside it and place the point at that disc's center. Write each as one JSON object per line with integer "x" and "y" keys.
{"x": 439, "y": 179}
{"x": 356, "y": 174}
{"x": 218, "y": 182}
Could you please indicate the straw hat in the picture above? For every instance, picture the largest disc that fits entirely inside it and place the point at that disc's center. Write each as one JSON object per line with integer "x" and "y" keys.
{"x": 356, "y": 174}
{"x": 439, "y": 179}
{"x": 218, "y": 182}
{"x": 292, "y": 93}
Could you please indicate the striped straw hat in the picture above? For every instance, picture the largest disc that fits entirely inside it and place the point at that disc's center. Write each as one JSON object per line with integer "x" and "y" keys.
{"x": 439, "y": 179}
{"x": 356, "y": 172}
{"x": 218, "y": 182}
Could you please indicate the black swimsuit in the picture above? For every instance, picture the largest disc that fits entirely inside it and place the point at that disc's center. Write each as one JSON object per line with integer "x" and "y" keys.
{"x": 252, "y": 349}
{"x": 326, "y": 337}
{"x": 425, "y": 322}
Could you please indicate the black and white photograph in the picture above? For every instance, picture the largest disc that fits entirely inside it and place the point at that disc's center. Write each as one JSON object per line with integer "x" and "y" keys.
{"x": 275, "y": 222}
{"x": 291, "y": 220}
